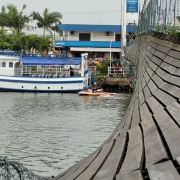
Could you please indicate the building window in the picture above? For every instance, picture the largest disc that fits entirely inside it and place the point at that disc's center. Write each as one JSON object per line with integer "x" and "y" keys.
{"x": 10, "y": 64}
{"x": 3, "y": 64}
{"x": 84, "y": 37}
{"x": 118, "y": 37}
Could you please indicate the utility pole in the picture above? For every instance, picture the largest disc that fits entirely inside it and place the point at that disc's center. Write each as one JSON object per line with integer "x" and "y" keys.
{"x": 123, "y": 25}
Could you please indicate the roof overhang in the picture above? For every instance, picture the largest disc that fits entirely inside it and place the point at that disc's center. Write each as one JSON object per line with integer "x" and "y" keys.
{"x": 90, "y": 49}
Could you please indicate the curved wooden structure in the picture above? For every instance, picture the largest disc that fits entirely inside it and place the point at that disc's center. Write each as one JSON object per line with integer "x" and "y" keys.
{"x": 146, "y": 143}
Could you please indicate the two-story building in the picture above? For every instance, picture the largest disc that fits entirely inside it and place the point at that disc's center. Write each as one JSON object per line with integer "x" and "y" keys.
{"x": 99, "y": 41}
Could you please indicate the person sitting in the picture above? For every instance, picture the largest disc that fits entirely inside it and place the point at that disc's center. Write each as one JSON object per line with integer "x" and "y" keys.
{"x": 117, "y": 68}
{"x": 71, "y": 71}
{"x": 94, "y": 88}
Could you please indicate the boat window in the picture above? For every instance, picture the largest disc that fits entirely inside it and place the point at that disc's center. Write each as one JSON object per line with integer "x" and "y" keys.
{"x": 3, "y": 64}
{"x": 10, "y": 64}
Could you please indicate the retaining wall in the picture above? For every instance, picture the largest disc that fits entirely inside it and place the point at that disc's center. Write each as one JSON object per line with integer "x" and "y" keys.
{"x": 146, "y": 143}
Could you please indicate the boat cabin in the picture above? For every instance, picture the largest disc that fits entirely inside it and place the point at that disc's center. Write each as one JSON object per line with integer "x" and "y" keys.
{"x": 9, "y": 66}
{"x": 43, "y": 67}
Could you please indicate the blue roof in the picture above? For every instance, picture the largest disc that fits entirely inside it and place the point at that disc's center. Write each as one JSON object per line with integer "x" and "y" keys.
{"x": 26, "y": 60}
{"x": 94, "y": 27}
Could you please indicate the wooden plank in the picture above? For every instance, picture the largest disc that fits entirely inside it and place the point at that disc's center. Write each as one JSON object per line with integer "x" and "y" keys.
{"x": 160, "y": 56}
{"x": 171, "y": 89}
{"x": 144, "y": 112}
{"x": 155, "y": 105}
{"x": 79, "y": 167}
{"x": 135, "y": 115}
{"x": 163, "y": 171}
{"x": 151, "y": 50}
{"x": 156, "y": 60}
{"x": 163, "y": 49}
{"x": 165, "y": 43}
{"x": 153, "y": 45}
{"x": 176, "y": 47}
{"x": 173, "y": 61}
{"x": 133, "y": 158}
{"x": 152, "y": 65}
{"x": 174, "y": 80}
{"x": 147, "y": 93}
{"x": 109, "y": 168}
{"x": 93, "y": 168}
{"x": 170, "y": 132}
{"x": 165, "y": 98}
{"x": 152, "y": 86}
{"x": 178, "y": 160}
{"x": 146, "y": 77}
{"x": 148, "y": 54}
{"x": 170, "y": 68}
{"x": 143, "y": 82}
{"x": 177, "y": 72}
{"x": 174, "y": 54}
{"x": 149, "y": 71}
{"x": 128, "y": 120}
{"x": 174, "y": 110}
{"x": 157, "y": 80}
{"x": 133, "y": 175}
{"x": 163, "y": 74}
{"x": 154, "y": 149}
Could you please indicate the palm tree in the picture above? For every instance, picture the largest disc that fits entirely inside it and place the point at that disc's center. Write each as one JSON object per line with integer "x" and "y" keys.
{"x": 13, "y": 18}
{"x": 48, "y": 21}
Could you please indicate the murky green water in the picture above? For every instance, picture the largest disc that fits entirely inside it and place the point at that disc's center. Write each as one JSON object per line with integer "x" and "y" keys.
{"x": 50, "y": 132}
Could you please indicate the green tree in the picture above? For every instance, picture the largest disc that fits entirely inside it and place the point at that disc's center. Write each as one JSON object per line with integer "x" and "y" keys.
{"x": 10, "y": 17}
{"x": 48, "y": 21}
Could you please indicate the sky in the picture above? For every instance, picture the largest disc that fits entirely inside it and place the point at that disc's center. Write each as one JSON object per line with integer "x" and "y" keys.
{"x": 75, "y": 11}
{"x": 106, "y": 12}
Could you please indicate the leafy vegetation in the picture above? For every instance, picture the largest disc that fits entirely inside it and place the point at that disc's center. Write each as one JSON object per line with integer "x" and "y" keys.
{"x": 12, "y": 19}
{"x": 48, "y": 21}
{"x": 103, "y": 69}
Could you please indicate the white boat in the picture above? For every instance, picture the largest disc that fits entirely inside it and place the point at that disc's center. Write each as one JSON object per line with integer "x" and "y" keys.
{"x": 40, "y": 74}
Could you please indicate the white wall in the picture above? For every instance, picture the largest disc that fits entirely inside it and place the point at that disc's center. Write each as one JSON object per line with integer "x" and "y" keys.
{"x": 95, "y": 36}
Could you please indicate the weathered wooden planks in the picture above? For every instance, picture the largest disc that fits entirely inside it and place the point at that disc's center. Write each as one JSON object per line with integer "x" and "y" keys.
{"x": 109, "y": 168}
{"x": 134, "y": 154}
{"x": 170, "y": 131}
{"x": 152, "y": 121}
{"x": 133, "y": 175}
{"x": 163, "y": 171}
{"x": 93, "y": 168}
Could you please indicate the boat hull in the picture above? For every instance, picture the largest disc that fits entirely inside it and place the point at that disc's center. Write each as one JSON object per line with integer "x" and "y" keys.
{"x": 27, "y": 84}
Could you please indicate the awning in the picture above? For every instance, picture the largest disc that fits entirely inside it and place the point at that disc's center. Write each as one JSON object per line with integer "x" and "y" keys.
{"x": 83, "y": 49}
{"x": 50, "y": 61}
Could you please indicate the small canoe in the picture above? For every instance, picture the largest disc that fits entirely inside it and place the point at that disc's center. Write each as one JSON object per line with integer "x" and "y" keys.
{"x": 97, "y": 93}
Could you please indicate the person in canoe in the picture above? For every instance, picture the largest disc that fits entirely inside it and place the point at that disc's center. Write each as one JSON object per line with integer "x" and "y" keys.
{"x": 94, "y": 88}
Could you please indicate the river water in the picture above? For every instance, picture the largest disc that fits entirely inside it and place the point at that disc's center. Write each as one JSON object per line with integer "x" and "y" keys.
{"x": 50, "y": 132}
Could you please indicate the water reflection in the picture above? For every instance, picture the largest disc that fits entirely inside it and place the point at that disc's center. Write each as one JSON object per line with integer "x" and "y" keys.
{"x": 50, "y": 132}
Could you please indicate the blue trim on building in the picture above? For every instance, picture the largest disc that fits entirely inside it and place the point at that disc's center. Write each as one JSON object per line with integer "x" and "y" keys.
{"x": 94, "y": 27}
{"x": 100, "y": 44}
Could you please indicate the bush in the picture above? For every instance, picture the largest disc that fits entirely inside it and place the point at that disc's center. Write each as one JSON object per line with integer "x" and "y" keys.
{"x": 103, "y": 68}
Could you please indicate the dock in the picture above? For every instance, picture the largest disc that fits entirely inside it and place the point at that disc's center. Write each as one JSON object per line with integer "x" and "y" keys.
{"x": 145, "y": 145}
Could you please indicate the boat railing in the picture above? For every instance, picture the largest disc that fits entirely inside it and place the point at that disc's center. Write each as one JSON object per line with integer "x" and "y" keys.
{"x": 47, "y": 71}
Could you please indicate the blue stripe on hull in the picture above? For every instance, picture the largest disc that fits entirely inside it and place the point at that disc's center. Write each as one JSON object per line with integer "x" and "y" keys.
{"x": 42, "y": 82}
{"x": 40, "y": 91}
